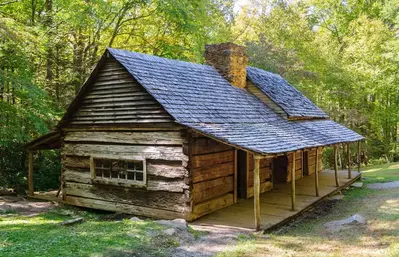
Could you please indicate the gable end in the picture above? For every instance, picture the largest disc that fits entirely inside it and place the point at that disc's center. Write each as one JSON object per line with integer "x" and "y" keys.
{"x": 111, "y": 96}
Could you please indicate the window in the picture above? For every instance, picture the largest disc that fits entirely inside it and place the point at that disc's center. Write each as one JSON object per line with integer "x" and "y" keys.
{"x": 113, "y": 171}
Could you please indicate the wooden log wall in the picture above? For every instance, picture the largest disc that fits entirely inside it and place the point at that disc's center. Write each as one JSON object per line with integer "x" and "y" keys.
{"x": 117, "y": 98}
{"x": 213, "y": 169}
{"x": 311, "y": 161}
{"x": 298, "y": 166}
{"x": 265, "y": 172}
{"x": 166, "y": 194}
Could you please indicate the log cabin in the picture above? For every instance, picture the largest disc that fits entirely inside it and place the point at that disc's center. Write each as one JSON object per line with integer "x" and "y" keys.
{"x": 168, "y": 139}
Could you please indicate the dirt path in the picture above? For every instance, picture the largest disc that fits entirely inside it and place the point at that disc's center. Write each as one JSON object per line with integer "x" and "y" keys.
{"x": 22, "y": 206}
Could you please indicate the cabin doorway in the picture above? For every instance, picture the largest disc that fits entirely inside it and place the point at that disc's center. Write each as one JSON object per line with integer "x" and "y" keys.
{"x": 305, "y": 159}
{"x": 280, "y": 169}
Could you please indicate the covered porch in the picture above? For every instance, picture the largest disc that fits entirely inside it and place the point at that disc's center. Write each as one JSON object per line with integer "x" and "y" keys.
{"x": 276, "y": 205}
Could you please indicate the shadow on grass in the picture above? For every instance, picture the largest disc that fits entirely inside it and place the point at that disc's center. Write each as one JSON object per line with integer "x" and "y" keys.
{"x": 42, "y": 236}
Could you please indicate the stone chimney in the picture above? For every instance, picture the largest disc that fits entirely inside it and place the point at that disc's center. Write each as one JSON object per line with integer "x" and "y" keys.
{"x": 230, "y": 60}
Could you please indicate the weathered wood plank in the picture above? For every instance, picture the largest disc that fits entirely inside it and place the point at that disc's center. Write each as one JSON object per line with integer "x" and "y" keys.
{"x": 71, "y": 175}
{"x": 155, "y": 199}
{"x": 212, "y": 205}
{"x": 164, "y": 116}
{"x": 82, "y": 162}
{"x": 166, "y": 169}
{"x": 124, "y": 208}
{"x": 213, "y": 188}
{"x": 153, "y": 183}
{"x": 126, "y": 98}
{"x": 208, "y": 145}
{"x": 120, "y": 104}
{"x": 207, "y": 160}
{"x": 127, "y": 151}
{"x": 115, "y": 95}
{"x": 212, "y": 172}
{"x": 264, "y": 187}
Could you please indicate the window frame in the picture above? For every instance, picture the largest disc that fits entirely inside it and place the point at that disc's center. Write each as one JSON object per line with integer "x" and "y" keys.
{"x": 116, "y": 181}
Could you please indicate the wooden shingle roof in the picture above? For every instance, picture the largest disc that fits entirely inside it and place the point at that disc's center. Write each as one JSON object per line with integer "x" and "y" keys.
{"x": 197, "y": 96}
{"x": 290, "y": 99}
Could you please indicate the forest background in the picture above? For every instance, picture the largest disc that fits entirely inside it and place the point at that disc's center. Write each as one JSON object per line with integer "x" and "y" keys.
{"x": 342, "y": 54}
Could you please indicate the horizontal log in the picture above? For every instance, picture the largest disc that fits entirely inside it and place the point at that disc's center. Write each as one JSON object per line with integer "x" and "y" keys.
{"x": 264, "y": 187}
{"x": 167, "y": 169}
{"x": 116, "y": 113}
{"x": 207, "y": 145}
{"x": 114, "y": 82}
{"x": 264, "y": 173}
{"x": 153, "y": 184}
{"x": 212, "y": 172}
{"x": 125, "y": 151}
{"x": 124, "y": 117}
{"x": 127, "y": 121}
{"x": 207, "y": 160}
{"x": 153, "y": 138}
{"x": 206, "y": 190}
{"x": 178, "y": 185}
{"x": 111, "y": 91}
{"x": 118, "y": 72}
{"x": 115, "y": 95}
{"x": 107, "y": 76}
{"x": 71, "y": 175}
{"x": 120, "y": 109}
{"x": 107, "y": 69}
{"x": 82, "y": 162}
{"x": 126, "y": 98}
{"x": 116, "y": 104}
{"x": 155, "y": 199}
{"x": 131, "y": 86}
{"x": 212, "y": 205}
{"x": 124, "y": 208}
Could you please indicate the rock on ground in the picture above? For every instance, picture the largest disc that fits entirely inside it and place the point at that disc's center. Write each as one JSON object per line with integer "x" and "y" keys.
{"x": 136, "y": 219}
{"x": 357, "y": 184}
{"x": 337, "y": 225}
{"x": 180, "y": 224}
{"x": 337, "y": 197}
{"x": 387, "y": 185}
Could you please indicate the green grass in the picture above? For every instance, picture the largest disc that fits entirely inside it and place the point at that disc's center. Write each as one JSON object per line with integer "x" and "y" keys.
{"x": 379, "y": 237}
{"x": 42, "y": 236}
{"x": 99, "y": 236}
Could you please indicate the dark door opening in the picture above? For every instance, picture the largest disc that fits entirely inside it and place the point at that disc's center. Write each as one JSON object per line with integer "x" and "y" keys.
{"x": 305, "y": 159}
{"x": 280, "y": 169}
{"x": 241, "y": 174}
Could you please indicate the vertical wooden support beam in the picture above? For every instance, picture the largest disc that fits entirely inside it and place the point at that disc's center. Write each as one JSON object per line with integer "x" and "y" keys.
{"x": 235, "y": 176}
{"x": 30, "y": 174}
{"x": 293, "y": 182}
{"x": 336, "y": 166}
{"x": 257, "y": 191}
{"x": 349, "y": 160}
{"x": 316, "y": 172}
{"x": 358, "y": 156}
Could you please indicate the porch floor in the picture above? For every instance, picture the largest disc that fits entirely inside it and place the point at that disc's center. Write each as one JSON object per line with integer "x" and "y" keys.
{"x": 276, "y": 204}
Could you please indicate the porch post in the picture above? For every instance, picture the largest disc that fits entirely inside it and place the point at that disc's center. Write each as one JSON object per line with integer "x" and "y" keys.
{"x": 293, "y": 182}
{"x": 358, "y": 156}
{"x": 257, "y": 159}
{"x": 349, "y": 160}
{"x": 31, "y": 190}
{"x": 336, "y": 166}
{"x": 316, "y": 173}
